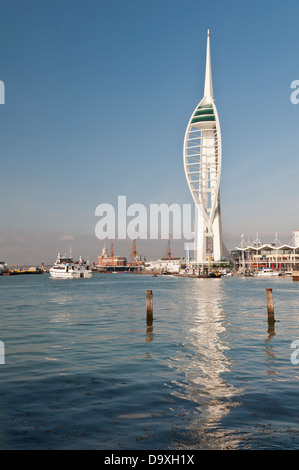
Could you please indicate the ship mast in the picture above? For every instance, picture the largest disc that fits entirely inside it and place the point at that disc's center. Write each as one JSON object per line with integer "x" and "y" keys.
{"x": 112, "y": 258}
{"x": 169, "y": 250}
{"x": 135, "y": 252}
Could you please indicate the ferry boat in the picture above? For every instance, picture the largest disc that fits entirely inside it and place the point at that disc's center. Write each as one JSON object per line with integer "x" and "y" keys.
{"x": 67, "y": 268}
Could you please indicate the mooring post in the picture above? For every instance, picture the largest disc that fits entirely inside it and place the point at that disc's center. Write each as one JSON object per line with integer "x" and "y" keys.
{"x": 270, "y": 306}
{"x": 149, "y": 305}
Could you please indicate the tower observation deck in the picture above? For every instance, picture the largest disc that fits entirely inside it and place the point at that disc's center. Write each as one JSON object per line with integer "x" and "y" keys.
{"x": 202, "y": 163}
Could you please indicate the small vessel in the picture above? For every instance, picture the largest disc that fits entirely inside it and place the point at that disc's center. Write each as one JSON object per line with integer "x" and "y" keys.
{"x": 32, "y": 270}
{"x": 267, "y": 272}
{"x": 227, "y": 273}
{"x": 67, "y": 268}
{"x": 214, "y": 274}
{"x": 3, "y": 268}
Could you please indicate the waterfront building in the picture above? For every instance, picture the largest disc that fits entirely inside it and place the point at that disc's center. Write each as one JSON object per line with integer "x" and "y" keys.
{"x": 110, "y": 261}
{"x": 153, "y": 265}
{"x": 202, "y": 163}
{"x": 166, "y": 265}
{"x": 252, "y": 256}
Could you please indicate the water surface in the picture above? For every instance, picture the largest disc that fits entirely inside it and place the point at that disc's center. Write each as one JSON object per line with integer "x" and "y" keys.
{"x": 83, "y": 370}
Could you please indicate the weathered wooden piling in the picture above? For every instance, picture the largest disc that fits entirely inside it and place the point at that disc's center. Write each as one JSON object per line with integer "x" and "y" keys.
{"x": 149, "y": 336}
{"x": 270, "y": 306}
{"x": 149, "y": 305}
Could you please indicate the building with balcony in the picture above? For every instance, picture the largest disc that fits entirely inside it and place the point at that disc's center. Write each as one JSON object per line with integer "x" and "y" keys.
{"x": 252, "y": 256}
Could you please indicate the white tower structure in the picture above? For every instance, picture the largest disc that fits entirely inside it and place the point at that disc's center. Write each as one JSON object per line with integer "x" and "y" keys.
{"x": 202, "y": 163}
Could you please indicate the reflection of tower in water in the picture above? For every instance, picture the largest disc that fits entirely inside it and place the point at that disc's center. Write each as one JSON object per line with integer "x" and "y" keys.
{"x": 203, "y": 363}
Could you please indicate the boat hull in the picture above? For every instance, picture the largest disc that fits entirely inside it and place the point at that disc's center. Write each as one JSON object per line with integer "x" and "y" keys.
{"x": 85, "y": 274}
{"x": 267, "y": 273}
{"x": 62, "y": 275}
{"x": 70, "y": 274}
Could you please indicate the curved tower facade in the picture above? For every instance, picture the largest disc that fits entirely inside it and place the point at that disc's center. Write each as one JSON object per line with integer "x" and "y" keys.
{"x": 202, "y": 163}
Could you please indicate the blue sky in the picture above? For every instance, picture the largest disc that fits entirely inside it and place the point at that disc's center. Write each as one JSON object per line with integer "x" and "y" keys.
{"x": 98, "y": 95}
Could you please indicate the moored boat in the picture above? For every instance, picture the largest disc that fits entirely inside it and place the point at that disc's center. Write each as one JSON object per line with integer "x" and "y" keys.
{"x": 267, "y": 272}
{"x": 3, "y": 268}
{"x": 32, "y": 270}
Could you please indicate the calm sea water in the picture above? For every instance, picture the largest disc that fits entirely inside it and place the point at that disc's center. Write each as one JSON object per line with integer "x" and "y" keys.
{"x": 84, "y": 371}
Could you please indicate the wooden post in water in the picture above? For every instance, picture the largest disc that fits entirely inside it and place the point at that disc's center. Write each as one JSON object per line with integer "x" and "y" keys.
{"x": 270, "y": 306}
{"x": 149, "y": 306}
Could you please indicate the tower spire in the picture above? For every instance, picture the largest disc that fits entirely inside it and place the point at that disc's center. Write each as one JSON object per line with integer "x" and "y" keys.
{"x": 208, "y": 90}
{"x": 202, "y": 162}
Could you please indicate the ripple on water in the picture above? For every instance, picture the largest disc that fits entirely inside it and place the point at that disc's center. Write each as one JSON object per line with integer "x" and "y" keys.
{"x": 84, "y": 370}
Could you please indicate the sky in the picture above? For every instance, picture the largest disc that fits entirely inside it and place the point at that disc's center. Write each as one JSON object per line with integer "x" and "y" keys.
{"x": 98, "y": 95}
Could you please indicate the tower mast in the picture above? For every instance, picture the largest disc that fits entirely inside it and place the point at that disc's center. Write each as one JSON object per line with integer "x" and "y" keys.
{"x": 208, "y": 88}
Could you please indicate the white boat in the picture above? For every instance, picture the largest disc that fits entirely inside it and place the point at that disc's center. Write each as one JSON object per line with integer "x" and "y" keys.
{"x": 267, "y": 272}
{"x": 3, "y": 267}
{"x": 67, "y": 268}
{"x": 225, "y": 272}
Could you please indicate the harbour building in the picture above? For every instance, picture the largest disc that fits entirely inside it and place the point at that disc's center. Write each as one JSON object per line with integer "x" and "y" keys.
{"x": 253, "y": 256}
{"x": 202, "y": 163}
{"x": 111, "y": 262}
